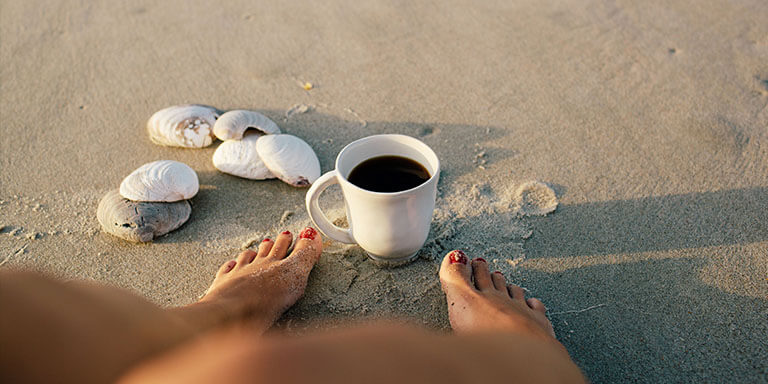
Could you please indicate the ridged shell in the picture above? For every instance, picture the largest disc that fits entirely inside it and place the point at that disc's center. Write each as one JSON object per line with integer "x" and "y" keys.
{"x": 240, "y": 158}
{"x": 231, "y": 125}
{"x": 289, "y": 158}
{"x": 140, "y": 221}
{"x": 162, "y": 180}
{"x": 189, "y": 126}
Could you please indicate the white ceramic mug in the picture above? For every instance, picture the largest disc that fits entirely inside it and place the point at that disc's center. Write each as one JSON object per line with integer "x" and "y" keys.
{"x": 390, "y": 227}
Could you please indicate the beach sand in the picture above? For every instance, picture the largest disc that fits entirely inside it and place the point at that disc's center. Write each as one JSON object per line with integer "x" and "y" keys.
{"x": 648, "y": 120}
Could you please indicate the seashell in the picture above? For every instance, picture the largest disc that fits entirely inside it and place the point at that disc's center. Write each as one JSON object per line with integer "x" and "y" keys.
{"x": 189, "y": 126}
{"x": 140, "y": 221}
{"x": 232, "y": 125}
{"x": 289, "y": 158}
{"x": 162, "y": 180}
{"x": 240, "y": 158}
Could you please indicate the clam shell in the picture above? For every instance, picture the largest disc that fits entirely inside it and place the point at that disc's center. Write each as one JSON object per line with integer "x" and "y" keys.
{"x": 140, "y": 221}
{"x": 289, "y": 158}
{"x": 231, "y": 125}
{"x": 189, "y": 126}
{"x": 240, "y": 158}
{"x": 162, "y": 180}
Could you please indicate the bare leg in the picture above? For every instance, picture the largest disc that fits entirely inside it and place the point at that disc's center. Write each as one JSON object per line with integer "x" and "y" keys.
{"x": 500, "y": 337}
{"x": 78, "y": 332}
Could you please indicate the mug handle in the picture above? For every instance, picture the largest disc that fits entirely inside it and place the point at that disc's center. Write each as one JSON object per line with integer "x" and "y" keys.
{"x": 316, "y": 214}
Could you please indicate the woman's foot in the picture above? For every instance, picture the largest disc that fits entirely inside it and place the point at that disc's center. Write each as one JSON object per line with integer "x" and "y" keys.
{"x": 482, "y": 301}
{"x": 257, "y": 287}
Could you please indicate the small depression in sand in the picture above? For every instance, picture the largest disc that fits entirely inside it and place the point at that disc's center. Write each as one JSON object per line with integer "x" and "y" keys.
{"x": 534, "y": 198}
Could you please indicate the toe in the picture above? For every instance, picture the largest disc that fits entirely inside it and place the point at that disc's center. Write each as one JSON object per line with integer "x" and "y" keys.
{"x": 265, "y": 247}
{"x": 282, "y": 243}
{"x": 245, "y": 257}
{"x": 515, "y": 292}
{"x": 480, "y": 273}
{"x": 226, "y": 267}
{"x": 455, "y": 269}
{"x": 309, "y": 246}
{"x": 536, "y": 305}
{"x": 498, "y": 281}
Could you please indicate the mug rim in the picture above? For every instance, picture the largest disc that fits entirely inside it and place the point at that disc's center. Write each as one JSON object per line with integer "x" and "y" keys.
{"x": 385, "y": 135}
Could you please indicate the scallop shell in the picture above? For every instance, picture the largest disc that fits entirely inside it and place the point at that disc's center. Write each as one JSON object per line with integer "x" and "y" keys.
{"x": 140, "y": 221}
{"x": 240, "y": 158}
{"x": 232, "y": 124}
{"x": 189, "y": 126}
{"x": 289, "y": 158}
{"x": 162, "y": 180}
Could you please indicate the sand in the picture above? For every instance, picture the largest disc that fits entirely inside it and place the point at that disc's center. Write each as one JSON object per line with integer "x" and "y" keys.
{"x": 648, "y": 120}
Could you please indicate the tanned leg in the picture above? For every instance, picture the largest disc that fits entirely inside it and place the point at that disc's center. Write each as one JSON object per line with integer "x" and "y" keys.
{"x": 499, "y": 337}
{"x": 88, "y": 333}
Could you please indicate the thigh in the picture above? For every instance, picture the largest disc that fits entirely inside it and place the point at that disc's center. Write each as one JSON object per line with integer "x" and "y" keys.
{"x": 382, "y": 353}
{"x": 76, "y": 332}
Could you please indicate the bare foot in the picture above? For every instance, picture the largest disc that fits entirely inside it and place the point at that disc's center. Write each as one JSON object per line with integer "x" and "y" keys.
{"x": 258, "y": 287}
{"x": 482, "y": 301}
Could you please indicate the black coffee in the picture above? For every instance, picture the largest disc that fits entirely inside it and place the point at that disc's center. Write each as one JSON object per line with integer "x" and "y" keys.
{"x": 388, "y": 174}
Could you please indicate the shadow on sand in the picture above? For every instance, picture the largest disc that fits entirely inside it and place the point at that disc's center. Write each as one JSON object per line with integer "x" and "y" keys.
{"x": 661, "y": 223}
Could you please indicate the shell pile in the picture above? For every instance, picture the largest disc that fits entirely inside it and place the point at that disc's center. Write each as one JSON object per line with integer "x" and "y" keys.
{"x": 264, "y": 152}
{"x": 151, "y": 201}
{"x": 253, "y": 146}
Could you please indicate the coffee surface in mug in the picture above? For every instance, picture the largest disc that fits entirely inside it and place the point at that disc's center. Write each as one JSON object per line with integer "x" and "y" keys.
{"x": 388, "y": 174}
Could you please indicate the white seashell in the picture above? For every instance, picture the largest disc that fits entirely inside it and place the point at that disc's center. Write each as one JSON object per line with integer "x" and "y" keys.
{"x": 232, "y": 125}
{"x": 289, "y": 158}
{"x": 189, "y": 126}
{"x": 162, "y": 180}
{"x": 140, "y": 221}
{"x": 240, "y": 158}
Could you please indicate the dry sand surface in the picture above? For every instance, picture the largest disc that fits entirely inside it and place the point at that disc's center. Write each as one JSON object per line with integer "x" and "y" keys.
{"x": 648, "y": 119}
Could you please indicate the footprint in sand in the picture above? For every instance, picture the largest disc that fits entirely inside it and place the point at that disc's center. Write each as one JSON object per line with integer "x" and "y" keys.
{"x": 534, "y": 198}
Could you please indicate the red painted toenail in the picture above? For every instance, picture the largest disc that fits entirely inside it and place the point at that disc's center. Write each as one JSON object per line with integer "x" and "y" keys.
{"x": 308, "y": 233}
{"x": 497, "y": 272}
{"x": 457, "y": 256}
{"x": 480, "y": 259}
{"x": 287, "y": 233}
{"x": 265, "y": 240}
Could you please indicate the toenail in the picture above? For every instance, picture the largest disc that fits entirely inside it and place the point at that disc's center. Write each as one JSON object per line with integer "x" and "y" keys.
{"x": 308, "y": 233}
{"x": 497, "y": 272}
{"x": 266, "y": 240}
{"x": 286, "y": 232}
{"x": 457, "y": 256}
{"x": 479, "y": 259}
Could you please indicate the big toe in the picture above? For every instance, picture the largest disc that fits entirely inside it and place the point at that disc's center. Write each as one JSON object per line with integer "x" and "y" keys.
{"x": 309, "y": 246}
{"x": 455, "y": 270}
